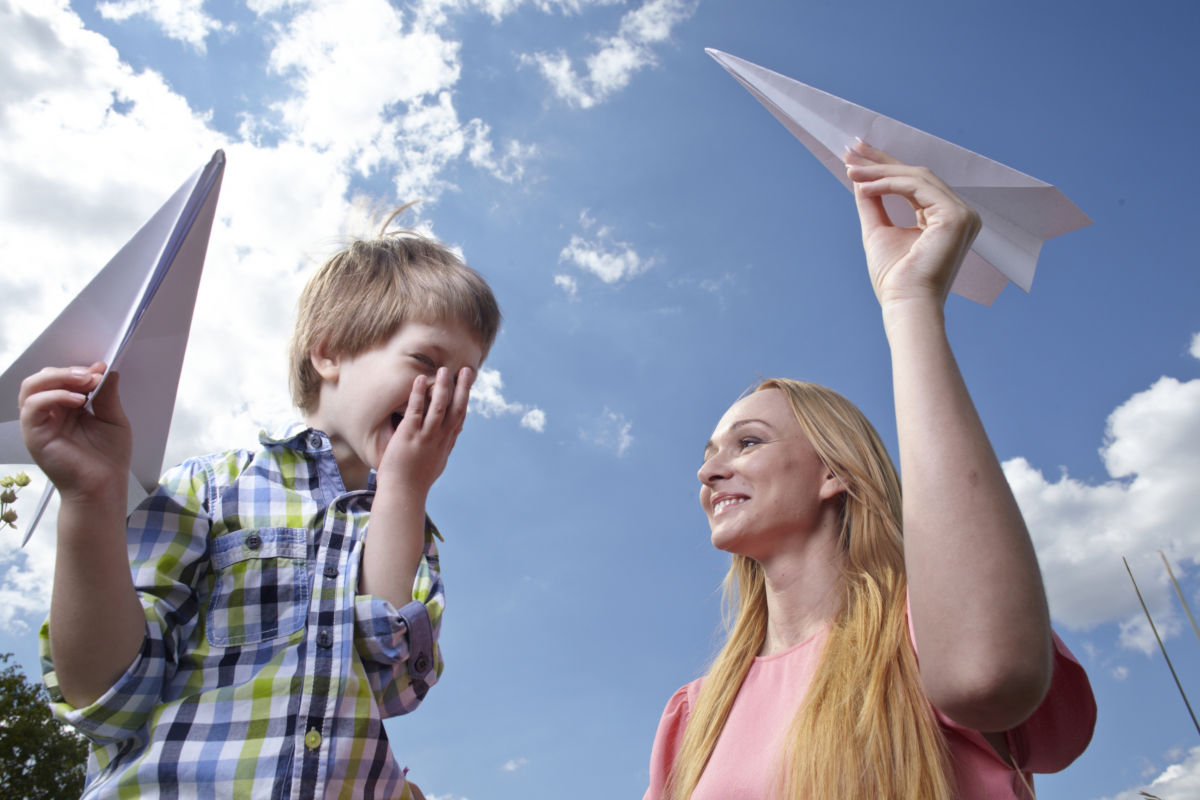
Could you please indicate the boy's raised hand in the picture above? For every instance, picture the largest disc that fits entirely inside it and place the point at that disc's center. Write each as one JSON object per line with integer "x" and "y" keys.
{"x": 81, "y": 451}
{"x": 420, "y": 447}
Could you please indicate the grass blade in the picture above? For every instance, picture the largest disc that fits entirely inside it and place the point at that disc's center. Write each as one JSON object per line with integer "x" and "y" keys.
{"x": 1170, "y": 666}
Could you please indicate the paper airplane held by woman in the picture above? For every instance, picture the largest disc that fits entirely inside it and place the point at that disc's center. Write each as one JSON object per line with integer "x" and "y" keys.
{"x": 135, "y": 316}
{"x": 1018, "y": 212}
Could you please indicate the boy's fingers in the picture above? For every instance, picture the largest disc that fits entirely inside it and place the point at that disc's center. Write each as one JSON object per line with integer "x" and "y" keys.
{"x": 416, "y": 399}
{"x": 76, "y": 379}
{"x": 462, "y": 395}
{"x": 106, "y": 403}
{"x": 41, "y": 406}
{"x": 439, "y": 398}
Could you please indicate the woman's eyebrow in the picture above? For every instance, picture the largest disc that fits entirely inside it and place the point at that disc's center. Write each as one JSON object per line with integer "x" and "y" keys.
{"x": 741, "y": 423}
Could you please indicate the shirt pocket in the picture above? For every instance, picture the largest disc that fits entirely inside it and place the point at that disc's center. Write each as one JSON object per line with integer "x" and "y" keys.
{"x": 261, "y": 590}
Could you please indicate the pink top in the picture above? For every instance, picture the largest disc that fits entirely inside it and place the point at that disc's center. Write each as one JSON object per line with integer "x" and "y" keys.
{"x": 745, "y": 764}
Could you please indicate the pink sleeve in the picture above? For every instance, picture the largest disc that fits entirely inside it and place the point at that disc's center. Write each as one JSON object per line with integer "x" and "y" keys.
{"x": 666, "y": 742}
{"x": 1058, "y": 730}
{"x": 1062, "y": 725}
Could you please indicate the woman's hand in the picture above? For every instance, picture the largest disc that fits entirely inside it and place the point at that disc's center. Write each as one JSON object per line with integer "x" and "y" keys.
{"x": 909, "y": 264}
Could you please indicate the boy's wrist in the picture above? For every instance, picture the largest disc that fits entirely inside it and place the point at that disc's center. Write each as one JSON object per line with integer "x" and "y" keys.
{"x": 97, "y": 503}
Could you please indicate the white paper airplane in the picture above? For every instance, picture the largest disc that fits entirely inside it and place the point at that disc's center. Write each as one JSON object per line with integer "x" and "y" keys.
{"x": 1019, "y": 212}
{"x": 135, "y": 316}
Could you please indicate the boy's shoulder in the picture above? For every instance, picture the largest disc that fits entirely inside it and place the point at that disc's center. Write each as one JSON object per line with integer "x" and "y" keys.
{"x": 279, "y": 484}
{"x": 277, "y": 447}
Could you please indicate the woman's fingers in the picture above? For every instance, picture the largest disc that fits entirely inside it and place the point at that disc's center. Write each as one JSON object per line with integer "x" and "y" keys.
{"x": 876, "y": 173}
{"x": 862, "y": 153}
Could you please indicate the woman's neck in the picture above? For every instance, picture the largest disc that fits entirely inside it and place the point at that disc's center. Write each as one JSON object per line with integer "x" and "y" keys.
{"x": 803, "y": 593}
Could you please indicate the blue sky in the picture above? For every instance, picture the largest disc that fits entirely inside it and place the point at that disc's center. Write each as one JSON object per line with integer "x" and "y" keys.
{"x": 657, "y": 242}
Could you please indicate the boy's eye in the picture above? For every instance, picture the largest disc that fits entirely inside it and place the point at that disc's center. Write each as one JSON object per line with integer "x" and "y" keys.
{"x": 424, "y": 361}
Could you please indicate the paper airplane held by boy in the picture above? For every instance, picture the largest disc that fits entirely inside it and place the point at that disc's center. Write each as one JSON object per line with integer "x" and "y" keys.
{"x": 134, "y": 316}
{"x": 1018, "y": 212}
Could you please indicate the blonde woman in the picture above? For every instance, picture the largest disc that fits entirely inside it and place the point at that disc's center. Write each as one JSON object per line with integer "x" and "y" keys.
{"x": 861, "y": 664}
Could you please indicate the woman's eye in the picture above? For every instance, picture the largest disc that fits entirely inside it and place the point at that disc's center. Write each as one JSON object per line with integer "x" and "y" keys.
{"x": 748, "y": 442}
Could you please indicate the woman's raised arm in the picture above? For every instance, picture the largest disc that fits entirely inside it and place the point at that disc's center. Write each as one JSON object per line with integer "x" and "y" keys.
{"x": 978, "y": 607}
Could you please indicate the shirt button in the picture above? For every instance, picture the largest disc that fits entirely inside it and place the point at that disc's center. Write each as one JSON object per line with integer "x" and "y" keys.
{"x": 314, "y": 440}
{"x": 312, "y": 739}
{"x": 421, "y": 664}
{"x": 324, "y": 639}
{"x": 254, "y": 541}
{"x": 331, "y": 571}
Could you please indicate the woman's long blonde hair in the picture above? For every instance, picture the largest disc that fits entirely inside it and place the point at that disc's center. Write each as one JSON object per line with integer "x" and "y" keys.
{"x": 865, "y": 729}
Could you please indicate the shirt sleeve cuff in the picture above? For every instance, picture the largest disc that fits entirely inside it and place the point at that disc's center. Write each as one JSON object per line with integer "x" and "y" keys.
{"x": 391, "y": 636}
{"x": 121, "y": 711}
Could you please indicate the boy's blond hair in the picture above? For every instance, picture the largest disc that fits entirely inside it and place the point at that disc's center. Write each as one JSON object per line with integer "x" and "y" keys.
{"x": 368, "y": 289}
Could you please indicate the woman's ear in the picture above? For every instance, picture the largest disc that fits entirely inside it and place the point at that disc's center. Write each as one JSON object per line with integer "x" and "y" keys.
{"x": 325, "y": 363}
{"x": 831, "y": 486}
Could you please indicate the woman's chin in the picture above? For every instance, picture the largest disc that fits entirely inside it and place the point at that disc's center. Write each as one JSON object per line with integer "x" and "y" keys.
{"x": 730, "y": 543}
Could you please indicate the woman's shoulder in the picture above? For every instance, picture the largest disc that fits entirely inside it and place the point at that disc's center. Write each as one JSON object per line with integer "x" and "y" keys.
{"x": 669, "y": 736}
{"x": 680, "y": 705}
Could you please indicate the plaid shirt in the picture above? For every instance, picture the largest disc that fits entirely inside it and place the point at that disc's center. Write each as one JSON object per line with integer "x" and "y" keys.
{"x": 263, "y": 673}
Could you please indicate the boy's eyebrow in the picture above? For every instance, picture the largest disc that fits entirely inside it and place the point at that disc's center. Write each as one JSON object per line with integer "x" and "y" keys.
{"x": 708, "y": 446}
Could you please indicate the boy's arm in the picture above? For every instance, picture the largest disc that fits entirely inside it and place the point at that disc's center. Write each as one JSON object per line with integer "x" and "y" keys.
{"x": 399, "y": 611}
{"x": 415, "y": 457}
{"x": 398, "y": 646}
{"x": 97, "y": 623}
{"x": 167, "y": 546}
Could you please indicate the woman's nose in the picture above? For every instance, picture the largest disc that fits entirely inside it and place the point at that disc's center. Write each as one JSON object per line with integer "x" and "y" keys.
{"x": 713, "y": 468}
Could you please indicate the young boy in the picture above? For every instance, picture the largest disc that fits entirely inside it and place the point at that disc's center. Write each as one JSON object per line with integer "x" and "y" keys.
{"x": 282, "y": 602}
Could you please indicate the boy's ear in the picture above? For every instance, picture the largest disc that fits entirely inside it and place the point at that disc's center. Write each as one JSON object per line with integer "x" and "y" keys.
{"x": 326, "y": 364}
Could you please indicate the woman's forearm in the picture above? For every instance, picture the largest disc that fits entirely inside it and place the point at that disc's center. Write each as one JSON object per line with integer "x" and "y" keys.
{"x": 978, "y": 605}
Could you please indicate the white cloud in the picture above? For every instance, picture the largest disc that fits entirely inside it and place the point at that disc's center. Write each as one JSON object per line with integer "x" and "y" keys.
{"x": 617, "y": 57}
{"x": 509, "y": 166}
{"x": 513, "y": 764}
{"x": 1195, "y": 348}
{"x": 487, "y": 400}
{"x": 437, "y": 11}
{"x": 609, "y": 260}
{"x": 379, "y": 96}
{"x": 568, "y": 285}
{"x": 1152, "y": 453}
{"x": 534, "y": 419}
{"x": 1175, "y": 782}
{"x": 611, "y": 431}
{"x": 348, "y": 62}
{"x": 183, "y": 20}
